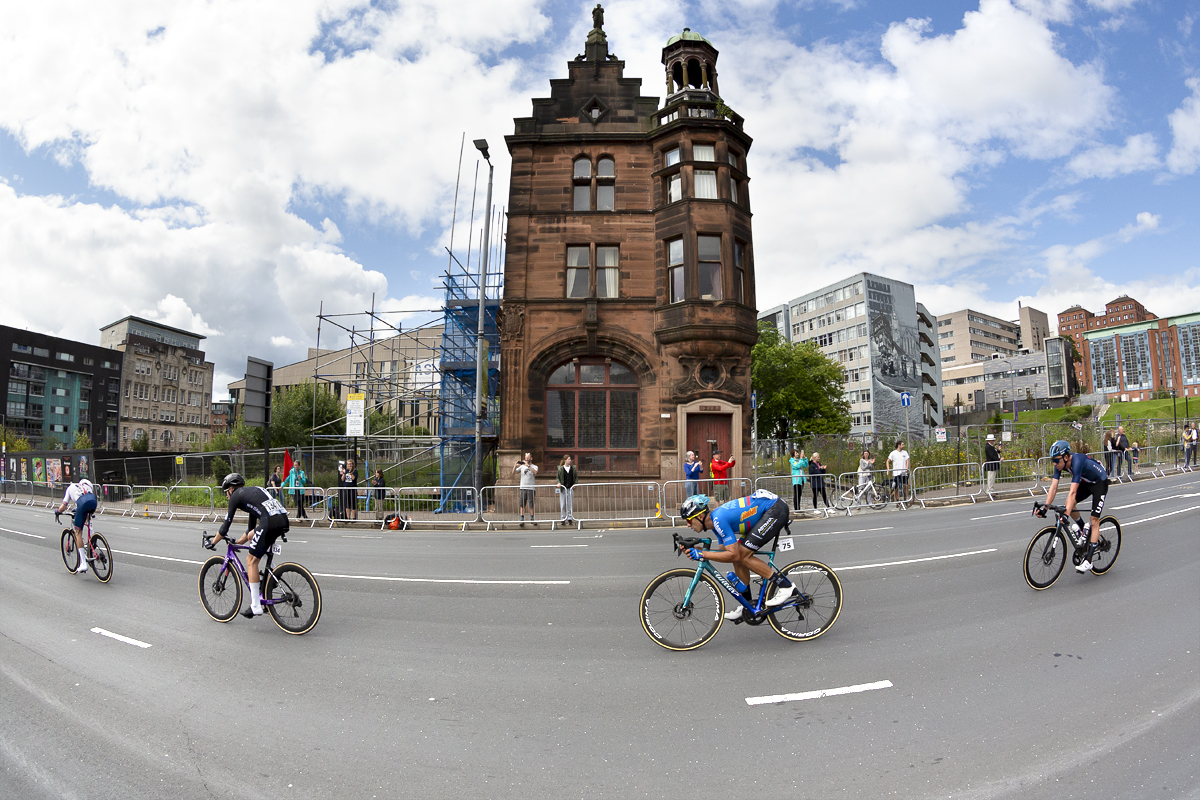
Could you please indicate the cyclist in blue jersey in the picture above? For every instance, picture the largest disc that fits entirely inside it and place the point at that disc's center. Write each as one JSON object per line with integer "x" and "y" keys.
{"x": 759, "y": 518}
{"x": 1088, "y": 479}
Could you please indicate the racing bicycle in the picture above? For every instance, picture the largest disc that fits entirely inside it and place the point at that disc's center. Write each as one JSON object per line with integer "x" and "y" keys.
{"x": 96, "y": 551}
{"x": 289, "y": 591}
{"x": 870, "y": 494}
{"x": 1047, "y": 551}
{"x": 683, "y": 608}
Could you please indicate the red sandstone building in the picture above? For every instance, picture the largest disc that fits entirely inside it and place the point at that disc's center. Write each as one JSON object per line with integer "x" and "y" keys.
{"x": 628, "y": 313}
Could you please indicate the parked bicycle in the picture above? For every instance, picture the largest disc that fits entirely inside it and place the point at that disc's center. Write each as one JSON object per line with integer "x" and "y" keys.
{"x": 683, "y": 608}
{"x": 96, "y": 551}
{"x": 1047, "y": 551}
{"x": 872, "y": 495}
{"x": 289, "y": 591}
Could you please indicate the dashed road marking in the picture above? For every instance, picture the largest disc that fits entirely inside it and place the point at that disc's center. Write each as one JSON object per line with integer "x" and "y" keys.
{"x": 918, "y": 560}
{"x": 22, "y": 533}
{"x": 819, "y": 693}
{"x": 121, "y": 638}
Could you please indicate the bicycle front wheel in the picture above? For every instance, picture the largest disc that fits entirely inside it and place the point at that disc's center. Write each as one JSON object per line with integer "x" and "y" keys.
{"x": 845, "y": 501}
{"x": 1045, "y": 557}
{"x": 295, "y": 598}
{"x": 70, "y": 553}
{"x": 1109, "y": 546}
{"x": 816, "y": 606}
{"x": 671, "y": 623}
{"x": 220, "y": 590}
{"x": 102, "y": 561}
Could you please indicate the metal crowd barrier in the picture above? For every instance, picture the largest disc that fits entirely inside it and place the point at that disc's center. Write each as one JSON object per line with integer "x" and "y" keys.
{"x": 44, "y": 494}
{"x": 150, "y": 500}
{"x": 456, "y": 505}
{"x": 782, "y": 485}
{"x": 311, "y": 497}
{"x": 846, "y": 495}
{"x": 18, "y": 492}
{"x": 947, "y": 482}
{"x": 502, "y": 504}
{"x": 115, "y": 497}
{"x": 675, "y": 492}
{"x": 617, "y": 502}
{"x": 340, "y": 500}
{"x": 190, "y": 501}
{"x": 1016, "y": 475}
{"x": 1171, "y": 458}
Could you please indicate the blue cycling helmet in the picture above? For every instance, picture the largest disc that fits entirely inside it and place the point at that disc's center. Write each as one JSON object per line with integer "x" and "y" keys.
{"x": 694, "y": 506}
{"x": 1060, "y": 448}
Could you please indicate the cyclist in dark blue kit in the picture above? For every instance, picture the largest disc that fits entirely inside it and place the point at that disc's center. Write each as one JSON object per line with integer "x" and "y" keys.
{"x": 1088, "y": 479}
{"x": 268, "y": 521}
{"x": 759, "y": 517}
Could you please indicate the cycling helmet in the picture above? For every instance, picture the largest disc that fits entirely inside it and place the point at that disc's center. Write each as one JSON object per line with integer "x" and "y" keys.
{"x": 694, "y": 506}
{"x": 1060, "y": 448}
{"x": 233, "y": 481}
{"x": 85, "y": 486}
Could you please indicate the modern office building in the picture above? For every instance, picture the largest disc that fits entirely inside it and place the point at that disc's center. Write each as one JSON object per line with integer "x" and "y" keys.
{"x": 1076, "y": 322}
{"x": 1035, "y": 379}
{"x": 1131, "y": 362}
{"x": 883, "y": 338}
{"x": 968, "y": 335}
{"x": 58, "y": 388}
{"x": 166, "y": 385}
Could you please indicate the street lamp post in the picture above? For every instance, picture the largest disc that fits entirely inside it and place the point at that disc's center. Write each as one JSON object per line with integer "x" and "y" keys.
{"x": 1175, "y": 424}
{"x": 480, "y": 341}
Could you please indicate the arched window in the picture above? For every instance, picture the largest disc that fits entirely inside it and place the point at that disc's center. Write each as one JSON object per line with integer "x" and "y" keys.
{"x": 583, "y": 185}
{"x": 592, "y": 415}
{"x": 694, "y": 78}
{"x": 606, "y": 190}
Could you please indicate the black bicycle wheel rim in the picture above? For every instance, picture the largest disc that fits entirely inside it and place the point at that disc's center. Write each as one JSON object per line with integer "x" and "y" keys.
{"x": 816, "y": 606}
{"x": 878, "y": 499}
{"x": 70, "y": 555}
{"x": 1110, "y": 546}
{"x": 220, "y": 590}
{"x": 671, "y": 625}
{"x": 1044, "y": 558}
{"x": 297, "y": 598}
{"x": 102, "y": 561}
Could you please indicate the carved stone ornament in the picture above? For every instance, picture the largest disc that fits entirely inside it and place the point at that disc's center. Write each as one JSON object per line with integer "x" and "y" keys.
{"x": 510, "y": 320}
{"x": 707, "y": 377}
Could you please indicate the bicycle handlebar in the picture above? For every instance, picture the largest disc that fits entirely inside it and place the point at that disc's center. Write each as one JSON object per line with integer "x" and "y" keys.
{"x": 1059, "y": 509}
{"x": 682, "y": 543}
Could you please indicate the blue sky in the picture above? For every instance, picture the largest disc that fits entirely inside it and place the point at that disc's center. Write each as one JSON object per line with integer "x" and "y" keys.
{"x": 225, "y": 168}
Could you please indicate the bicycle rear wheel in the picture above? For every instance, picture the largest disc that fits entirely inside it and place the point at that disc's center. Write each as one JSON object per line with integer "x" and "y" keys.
{"x": 102, "y": 561}
{"x": 876, "y": 498}
{"x": 1045, "y": 557}
{"x": 1109, "y": 546}
{"x": 296, "y": 605}
{"x": 673, "y": 625}
{"x": 220, "y": 590}
{"x": 70, "y": 553}
{"x": 817, "y": 606}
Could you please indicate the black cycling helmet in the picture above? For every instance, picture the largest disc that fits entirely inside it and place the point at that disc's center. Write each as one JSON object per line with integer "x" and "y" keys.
{"x": 694, "y": 506}
{"x": 232, "y": 481}
{"x": 1060, "y": 448}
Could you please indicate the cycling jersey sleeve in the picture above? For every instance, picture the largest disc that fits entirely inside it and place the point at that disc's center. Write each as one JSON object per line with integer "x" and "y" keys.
{"x": 233, "y": 505}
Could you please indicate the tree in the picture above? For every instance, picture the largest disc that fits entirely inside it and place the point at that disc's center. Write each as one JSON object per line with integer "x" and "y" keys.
{"x": 800, "y": 389}
{"x": 292, "y": 415}
{"x": 140, "y": 443}
{"x": 15, "y": 441}
{"x": 242, "y": 437}
{"x": 82, "y": 441}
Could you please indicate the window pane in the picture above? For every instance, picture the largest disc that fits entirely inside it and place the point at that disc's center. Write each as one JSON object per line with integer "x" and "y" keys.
{"x": 623, "y": 421}
{"x": 621, "y": 374}
{"x": 675, "y": 252}
{"x": 733, "y": 159}
{"x": 624, "y": 463}
{"x": 591, "y": 373}
{"x": 710, "y": 281}
{"x": 671, "y": 157}
{"x": 706, "y": 184}
{"x": 560, "y": 418}
{"x": 607, "y": 256}
{"x": 583, "y": 168}
{"x": 739, "y": 255}
{"x": 703, "y": 152}
{"x": 674, "y": 188}
{"x": 578, "y": 257}
{"x": 577, "y": 283}
{"x": 593, "y": 463}
{"x": 740, "y": 277}
{"x": 607, "y": 169}
{"x": 676, "y": 284}
{"x": 583, "y": 198}
{"x": 592, "y": 421}
{"x": 733, "y": 195}
{"x": 605, "y": 197}
{"x": 564, "y": 374}
{"x": 708, "y": 248}
{"x": 606, "y": 282}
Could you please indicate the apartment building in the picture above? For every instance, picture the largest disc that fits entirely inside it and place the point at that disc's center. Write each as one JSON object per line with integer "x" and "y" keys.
{"x": 1130, "y": 362}
{"x": 1033, "y": 379}
{"x": 968, "y": 335}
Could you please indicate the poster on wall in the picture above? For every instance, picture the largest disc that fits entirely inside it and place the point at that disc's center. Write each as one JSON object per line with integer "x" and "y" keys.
{"x": 66, "y": 470}
{"x": 13, "y": 470}
{"x": 82, "y": 472}
{"x": 895, "y": 351}
{"x": 53, "y": 470}
{"x": 39, "y": 471}
{"x": 24, "y": 470}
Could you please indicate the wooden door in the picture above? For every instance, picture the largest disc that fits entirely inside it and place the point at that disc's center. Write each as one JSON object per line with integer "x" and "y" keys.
{"x": 707, "y": 433}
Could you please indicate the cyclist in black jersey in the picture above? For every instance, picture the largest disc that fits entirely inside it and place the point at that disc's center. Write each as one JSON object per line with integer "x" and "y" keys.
{"x": 268, "y": 521}
{"x": 1088, "y": 479}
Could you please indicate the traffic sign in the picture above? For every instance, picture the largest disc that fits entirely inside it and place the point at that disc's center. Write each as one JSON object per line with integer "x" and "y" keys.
{"x": 753, "y": 399}
{"x": 940, "y": 433}
{"x": 905, "y": 399}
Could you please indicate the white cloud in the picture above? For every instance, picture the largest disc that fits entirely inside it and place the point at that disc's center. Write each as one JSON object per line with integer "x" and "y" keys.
{"x": 1185, "y": 128}
{"x": 1106, "y": 161}
{"x": 281, "y": 341}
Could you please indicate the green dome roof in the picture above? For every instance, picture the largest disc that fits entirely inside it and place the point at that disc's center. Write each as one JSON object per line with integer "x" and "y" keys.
{"x": 688, "y": 35}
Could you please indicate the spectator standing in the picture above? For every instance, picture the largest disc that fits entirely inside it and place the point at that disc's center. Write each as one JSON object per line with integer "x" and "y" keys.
{"x": 568, "y": 476}
{"x": 720, "y": 473}
{"x": 692, "y": 470}
{"x": 1194, "y": 436}
{"x": 297, "y": 480}
{"x": 528, "y": 472}
{"x": 379, "y": 487}
{"x": 866, "y": 464}
{"x": 1108, "y": 453}
{"x": 897, "y": 462}
{"x": 1137, "y": 452}
{"x": 1186, "y": 441}
{"x": 816, "y": 476}
{"x": 348, "y": 489}
{"x": 991, "y": 461}
{"x": 799, "y": 464}
{"x": 1121, "y": 452}
{"x": 275, "y": 483}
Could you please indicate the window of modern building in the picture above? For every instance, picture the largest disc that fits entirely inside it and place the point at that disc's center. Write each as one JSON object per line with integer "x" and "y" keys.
{"x": 708, "y": 257}
{"x": 675, "y": 274}
{"x": 21, "y": 348}
{"x": 607, "y": 271}
{"x": 706, "y": 184}
{"x": 41, "y": 352}
{"x": 592, "y": 415}
{"x": 704, "y": 152}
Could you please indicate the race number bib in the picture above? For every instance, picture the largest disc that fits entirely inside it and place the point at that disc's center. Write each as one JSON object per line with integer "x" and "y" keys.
{"x": 277, "y": 548}
{"x": 786, "y": 544}
{"x": 273, "y": 507}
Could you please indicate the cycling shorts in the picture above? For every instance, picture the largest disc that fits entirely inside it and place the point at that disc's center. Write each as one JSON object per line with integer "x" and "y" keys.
{"x": 1097, "y": 491}
{"x": 85, "y": 505}
{"x": 772, "y": 521}
{"x": 265, "y": 535}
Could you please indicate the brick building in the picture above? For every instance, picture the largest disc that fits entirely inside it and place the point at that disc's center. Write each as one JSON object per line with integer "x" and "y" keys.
{"x": 1133, "y": 361}
{"x": 1076, "y": 322}
{"x": 628, "y": 312}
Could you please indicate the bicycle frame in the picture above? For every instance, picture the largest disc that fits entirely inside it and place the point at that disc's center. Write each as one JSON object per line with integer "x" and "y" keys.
{"x": 231, "y": 557}
{"x": 758, "y": 606}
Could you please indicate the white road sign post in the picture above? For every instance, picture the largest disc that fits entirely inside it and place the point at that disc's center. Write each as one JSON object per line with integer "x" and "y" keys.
{"x": 356, "y": 409}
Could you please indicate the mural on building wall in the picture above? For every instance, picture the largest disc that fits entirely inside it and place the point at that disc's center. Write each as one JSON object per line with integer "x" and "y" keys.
{"x": 895, "y": 351}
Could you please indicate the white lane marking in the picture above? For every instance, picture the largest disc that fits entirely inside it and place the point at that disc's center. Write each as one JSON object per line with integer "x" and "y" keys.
{"x": 121, "y": 638}
{"x": 358, "y": 536}
{"x": 1157, "y": 500}
{"x": 597, "y": 536}
{"x": 1166, "y": 489}
{"x": 1160, "y": 516}
{"x": 993, "y": 516}
{"x": 835, "y": 533}
{"x": 438, "y": 580}
{"x": 160, "y": 558}
{"x": 22, "y": 533}
{"x": 918, "y": 560}
{"x": 558, "y": 545}
{"x": 788, "y": 698}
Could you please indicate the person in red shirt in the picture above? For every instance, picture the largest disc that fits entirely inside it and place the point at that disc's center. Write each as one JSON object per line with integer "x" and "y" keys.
{"x": 720, "y": 473}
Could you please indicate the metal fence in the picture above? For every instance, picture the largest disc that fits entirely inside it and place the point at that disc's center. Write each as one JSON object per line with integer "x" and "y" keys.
{"x": 782, "y": 485}
{"x": 946, "y": 482}
{"x": 115, "y": 497}
{"x": 503, "y": 504}
{"x": 616, "y": 502}
{"x": 190, "y": 501}
{"x": 452, "y": 504}
{"x": 675, "y": 492}
{"x": 150, "y": 501}
{"x": 14, "y": 492}
{"x": 849, "y": 496}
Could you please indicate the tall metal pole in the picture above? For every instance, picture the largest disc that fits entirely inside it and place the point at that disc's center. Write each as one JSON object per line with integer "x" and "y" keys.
{"x": 480, "y": 341}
